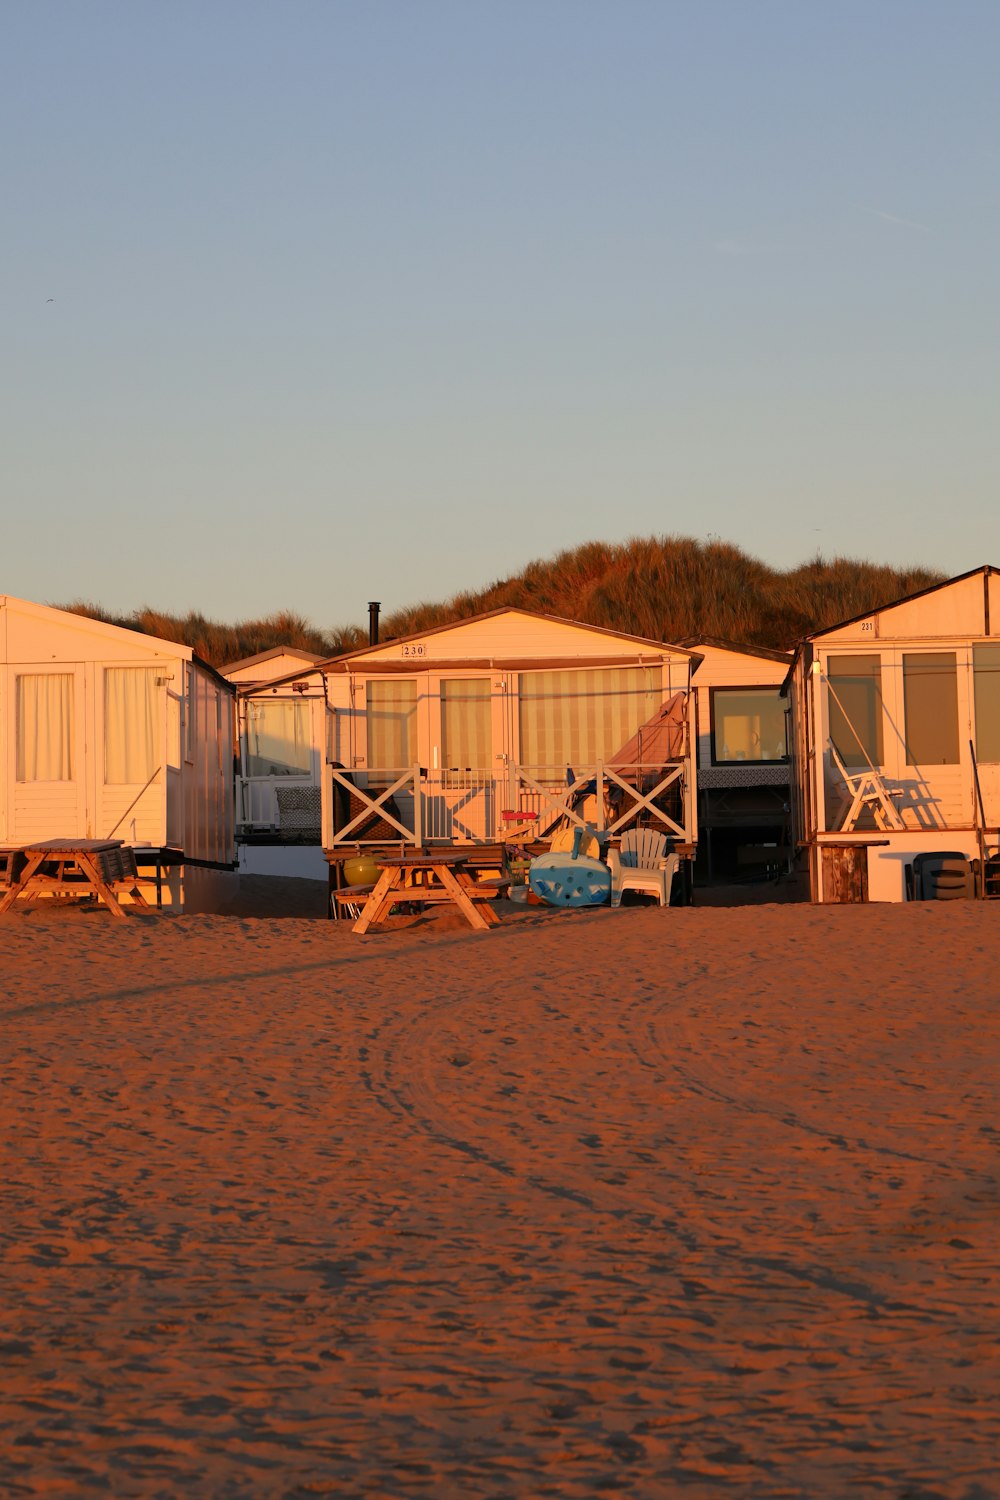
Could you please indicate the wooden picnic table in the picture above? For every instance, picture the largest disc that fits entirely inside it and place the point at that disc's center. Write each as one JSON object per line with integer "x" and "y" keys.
{"x": 437, "y": 875}
{"x": 74, "y": 868}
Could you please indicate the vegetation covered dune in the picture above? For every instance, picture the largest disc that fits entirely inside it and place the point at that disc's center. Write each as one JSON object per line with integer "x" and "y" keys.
{"x": 663, "y": 588}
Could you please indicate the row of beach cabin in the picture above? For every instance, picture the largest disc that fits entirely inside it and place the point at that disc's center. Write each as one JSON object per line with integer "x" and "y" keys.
{"x": 876, "y": 741}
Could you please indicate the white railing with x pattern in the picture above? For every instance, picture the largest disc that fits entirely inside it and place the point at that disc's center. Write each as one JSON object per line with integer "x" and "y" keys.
{"x": 417, "y": 806}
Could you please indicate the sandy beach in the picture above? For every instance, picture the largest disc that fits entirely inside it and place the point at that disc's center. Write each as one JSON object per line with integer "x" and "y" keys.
{"x": 696, "y": 1202}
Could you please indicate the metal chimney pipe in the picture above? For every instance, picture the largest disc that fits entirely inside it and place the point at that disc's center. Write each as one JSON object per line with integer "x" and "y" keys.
{"x": 373, "y": 608}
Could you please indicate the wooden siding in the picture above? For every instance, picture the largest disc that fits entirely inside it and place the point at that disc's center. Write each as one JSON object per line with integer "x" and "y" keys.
{"x": 510, "y": 635}
{"x": 268, "y": 671}
{"x": 955, "y": 611}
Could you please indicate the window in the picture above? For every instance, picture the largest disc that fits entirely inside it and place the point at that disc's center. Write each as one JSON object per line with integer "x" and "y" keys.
{"x": 173, "y": 731}
{"x": 576, "y": 718}
{"x": 391, "y": 714}
{"x": 45, "y": 726}
{"x": 930, "y": 698}
{"x": 748, "y": 724}
{"x": 466, "y": 724}
{"x": 855, "y": 689}
{"x": 131, "y": 725}
{"x": 986, "y": 677}
{"x": 190, "y": 713}
{"x": 277, "y": 737}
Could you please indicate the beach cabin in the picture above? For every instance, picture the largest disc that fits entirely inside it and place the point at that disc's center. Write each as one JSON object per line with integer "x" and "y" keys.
{"x": 106, "y": 733}
{"x": 896, "y": 740}
{"x": 743, "y": 761}
{"x": 282, "y": 728}
{"x": 504, "y": 726}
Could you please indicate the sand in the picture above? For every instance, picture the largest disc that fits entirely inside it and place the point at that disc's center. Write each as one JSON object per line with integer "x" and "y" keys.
{"x": 697, "y": 1202}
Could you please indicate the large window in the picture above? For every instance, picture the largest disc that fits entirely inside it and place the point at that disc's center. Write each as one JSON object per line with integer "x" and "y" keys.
{"x": 986, "y": 674}
{"x": 44, "y": 712}
{"x": 930, "y": 699}
{"x": 466, "y": 724}
{"x": 855, "y": 700}
{"x": 748, "y": 724}
{"x": 392, "y": 715}
{"x": 278, "y": 742}
{"x": 131, "y": 725}
{"x": 572, "y": 719}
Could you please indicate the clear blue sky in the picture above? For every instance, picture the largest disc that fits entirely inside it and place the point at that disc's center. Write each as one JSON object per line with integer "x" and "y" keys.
{"x": 382, "y": 300}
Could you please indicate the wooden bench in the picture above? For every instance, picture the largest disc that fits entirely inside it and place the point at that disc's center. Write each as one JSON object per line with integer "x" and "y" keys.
{"x": 11, "y": 865}
{"x": 71, "y": 869}
{"x": 351, "y": 898}
{"x": 348, "y": 898}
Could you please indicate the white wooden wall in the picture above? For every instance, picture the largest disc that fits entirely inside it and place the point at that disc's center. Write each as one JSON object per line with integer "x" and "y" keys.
{"x": 190, "y": 800}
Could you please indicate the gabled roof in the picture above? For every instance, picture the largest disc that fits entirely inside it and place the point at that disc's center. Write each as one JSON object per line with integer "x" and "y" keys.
{"x": 740, "y": 648}
{"x": 345, "y": 661}
{"x": 106, "y": 631}
{"x": 986, "y": 570}
{"x": 98, "y": 627}
{"x": 253, "y": 661}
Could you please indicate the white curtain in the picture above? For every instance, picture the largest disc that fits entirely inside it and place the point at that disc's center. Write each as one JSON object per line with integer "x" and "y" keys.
{"x": 392, "y": 713}
{"x": 278, "y": 737}
{"x": 44, "y": 708}
{"x": 131, "y": 725}
{"x": 466, "y": 727}
{"x": 576, "y": 718}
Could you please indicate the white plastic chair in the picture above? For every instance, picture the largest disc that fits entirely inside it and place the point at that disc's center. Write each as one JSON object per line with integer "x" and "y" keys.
{"x": 642, "y": 864}
{"x": 867, "y": 791}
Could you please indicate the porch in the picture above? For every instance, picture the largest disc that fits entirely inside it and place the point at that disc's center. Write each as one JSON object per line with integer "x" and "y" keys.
{"x": 524, "y": 804}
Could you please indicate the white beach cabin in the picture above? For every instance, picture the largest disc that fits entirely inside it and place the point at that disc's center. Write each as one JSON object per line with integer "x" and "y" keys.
{"x": 506, "y": 722}
{"x": 282, "y": 730}
{"x": 743, "y": 760}
{"x": 896, "y": 738}
{"x": 109, "y": 733}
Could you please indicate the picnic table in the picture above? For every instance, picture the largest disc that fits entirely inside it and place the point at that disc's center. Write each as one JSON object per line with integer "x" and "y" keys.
{"x": 72, "y": 869}
{"x": 433, "y": 876}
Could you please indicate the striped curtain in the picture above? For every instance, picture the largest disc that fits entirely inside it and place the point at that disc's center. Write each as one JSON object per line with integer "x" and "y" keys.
{"x": 392, "y": 717}
{"x": 574, "y": 718}
{"x": 466, "y": 724}
{"x": 45, "y": 726}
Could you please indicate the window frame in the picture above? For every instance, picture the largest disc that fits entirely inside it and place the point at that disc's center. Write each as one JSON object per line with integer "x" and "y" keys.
{"x": 750, "y": 687}
{"x": 977, "y": 647}
{"x": 413, "y": 726}
{"x": 887, "y": 666}
{"x": 909, "y": 761}
{"x": 299, "y": 709}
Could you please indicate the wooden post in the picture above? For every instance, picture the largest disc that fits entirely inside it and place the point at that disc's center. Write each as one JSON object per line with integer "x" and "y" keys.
{"x": 418, "y": 793}
{"x": 845, "y": 872}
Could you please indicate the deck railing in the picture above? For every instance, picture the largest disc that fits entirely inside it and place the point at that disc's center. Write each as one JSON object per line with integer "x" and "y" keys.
{"x": 417, "y": 806}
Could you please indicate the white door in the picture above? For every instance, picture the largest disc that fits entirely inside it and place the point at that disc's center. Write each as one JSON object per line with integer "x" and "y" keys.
{"x": 986, "y": 728}
{"x": 46, "y": 750}
{"x": 932, "y": 723}
{"x": 131, "y": 753}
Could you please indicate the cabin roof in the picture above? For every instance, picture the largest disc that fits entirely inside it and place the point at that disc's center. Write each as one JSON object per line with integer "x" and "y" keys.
{"x": 346, "y": 661}
{"x": 739, "y": 648}
{"x": 985, "y": 569}
{"x": 106, "y": 631}
{"x": 262, "y": 656}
